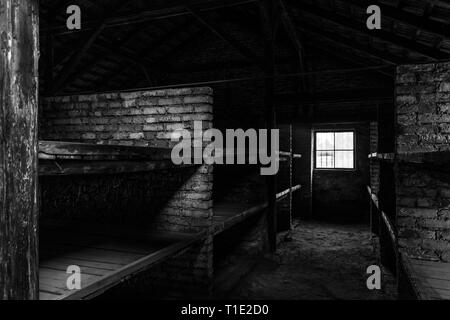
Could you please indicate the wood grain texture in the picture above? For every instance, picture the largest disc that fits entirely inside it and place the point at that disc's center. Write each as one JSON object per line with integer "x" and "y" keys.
{"x": 18, "y": 148}
{"x": 105, "y": 257}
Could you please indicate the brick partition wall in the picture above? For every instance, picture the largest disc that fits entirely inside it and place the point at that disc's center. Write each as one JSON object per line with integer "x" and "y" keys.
{"x": 423, "y": 125}
{"x": 179, "y": 199}
{"x": 423, "y": 107}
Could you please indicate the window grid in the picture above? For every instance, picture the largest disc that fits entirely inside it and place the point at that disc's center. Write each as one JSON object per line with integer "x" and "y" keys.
{"x": 330, "y": 154}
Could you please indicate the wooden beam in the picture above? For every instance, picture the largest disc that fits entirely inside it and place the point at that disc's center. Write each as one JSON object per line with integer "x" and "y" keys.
{"x": 380, "y": 35}
{"x": 153, "y": 67}
{"x": 217, "y": 30}
{"x": 343, "y": 42}
{"x": 19, "y": 29}
{"x": 116, "y": 44}
{"x": 294, "y": 36}
{"x": 397, "y": 14}
{"x": 169, "y": 9}
{"x": 85, "y": 44}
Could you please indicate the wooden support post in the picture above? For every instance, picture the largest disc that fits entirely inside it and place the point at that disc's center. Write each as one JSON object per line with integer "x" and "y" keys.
{"x": 291, "y": 164}
{"x": 19, "y": 46}
{"x": 267, "y": 8}
{"x": 374, "y": 218}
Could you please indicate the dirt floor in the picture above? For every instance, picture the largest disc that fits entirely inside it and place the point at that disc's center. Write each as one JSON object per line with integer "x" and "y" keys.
{"x": 322, "y": 261}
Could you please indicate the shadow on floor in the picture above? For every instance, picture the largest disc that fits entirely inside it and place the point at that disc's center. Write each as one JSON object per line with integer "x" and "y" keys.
{"x": 323, "y": 261}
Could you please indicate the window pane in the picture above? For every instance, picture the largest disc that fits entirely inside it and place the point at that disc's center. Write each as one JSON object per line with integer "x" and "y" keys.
{"x": 344, "y": 140}
{"x": 344, "y": 159}
{"x": 325, "y": 140}
{"x": 325, "y": 159}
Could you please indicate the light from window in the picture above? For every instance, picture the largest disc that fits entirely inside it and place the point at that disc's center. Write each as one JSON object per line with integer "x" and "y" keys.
{"x": 334, "y": 150}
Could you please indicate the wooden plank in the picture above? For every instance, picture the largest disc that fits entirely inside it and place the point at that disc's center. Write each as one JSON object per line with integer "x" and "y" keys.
{"x": 61, "y": 261}
{"x": 47, "y": 296}
{"x": 19, "y": 54}
{"x": 140, "y": 265}
{"x": 427, "y": 278}
{"x": 63, "y": 267}
{"x": 217, "y": 30}
{"x": 55, "y": 274}
{"x": 114, "y": 231}
{"x": 90, "y": 254}
{"x": 67, "y": 168}
{"x": 89, "y": 151}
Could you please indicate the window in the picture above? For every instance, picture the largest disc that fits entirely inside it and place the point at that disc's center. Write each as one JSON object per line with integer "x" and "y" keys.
{"x": 335, "y": 150}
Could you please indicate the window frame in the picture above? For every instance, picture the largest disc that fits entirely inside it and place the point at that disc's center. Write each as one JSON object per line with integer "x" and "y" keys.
{"x": 333, "y": 130}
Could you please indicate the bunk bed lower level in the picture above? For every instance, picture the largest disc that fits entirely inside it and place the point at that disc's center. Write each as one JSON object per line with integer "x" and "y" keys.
{"x": 105, "y": 255}
{"x": 227, "y": 215}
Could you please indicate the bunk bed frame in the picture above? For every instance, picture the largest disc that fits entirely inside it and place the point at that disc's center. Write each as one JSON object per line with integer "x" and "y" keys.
{"x": 416, "y": 278}
{"x": 108, "y": 255}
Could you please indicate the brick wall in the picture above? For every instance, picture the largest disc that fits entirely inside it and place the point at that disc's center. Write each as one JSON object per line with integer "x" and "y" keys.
{"x": 174, "y": 200}
{"x": 423, "y": 107}
{"x": 423, "y": 209}
{"x": 423, "y": 119}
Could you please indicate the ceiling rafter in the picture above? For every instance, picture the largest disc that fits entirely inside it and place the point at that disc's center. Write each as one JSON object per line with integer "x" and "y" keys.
{"x": 396, "y": 13}
{"x": 217, "y": 30}
{"x": 152, "y": 47}
{"x": 381, "y": 35}
{"x": 343, "y": 42}
{"x": 86, "y": 43}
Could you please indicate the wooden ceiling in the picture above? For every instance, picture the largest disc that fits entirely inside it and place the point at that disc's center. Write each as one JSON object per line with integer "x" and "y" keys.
{"x": 123, "y": 44}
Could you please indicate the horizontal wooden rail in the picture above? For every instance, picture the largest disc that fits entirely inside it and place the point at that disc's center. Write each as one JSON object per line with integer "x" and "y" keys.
{"x": 382, "y": 156}
{"x": 284, "y": 193}
{"x": 288, "y": 154}
{"x": 129, "y": 270}
{"x": 384, "y": 217}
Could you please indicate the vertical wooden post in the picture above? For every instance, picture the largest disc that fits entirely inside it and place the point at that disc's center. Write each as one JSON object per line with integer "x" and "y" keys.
{"x": 19, "y": 43}
{"x": 267, "y": 8}
{"x": 291, "y": 164}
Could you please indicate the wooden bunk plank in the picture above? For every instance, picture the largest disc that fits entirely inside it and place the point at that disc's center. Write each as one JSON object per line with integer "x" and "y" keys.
{"x": 227, "y": 215}
{"x": 113, "y": 231}
{"x": 88, "y": 151}
{"x": 91, "y": 254}
{"x": 104, "y": 260}
{"x": 97, "y": 242}
{"x": 108, "y": 281}
{"x": 64, "y": 168}
{"x": 57, "y": 263}
{"x": 43, "y": 295}
{"x": 54, "y": 266}
{"x": 429, "y": 279}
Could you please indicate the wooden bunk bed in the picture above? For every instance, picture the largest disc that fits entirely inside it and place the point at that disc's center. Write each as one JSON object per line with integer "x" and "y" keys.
{"x": 227, "y": 215}
{"x": 106, "y": 256}
{"x": 72, "y": 158}
{"x": 428, "y": 280}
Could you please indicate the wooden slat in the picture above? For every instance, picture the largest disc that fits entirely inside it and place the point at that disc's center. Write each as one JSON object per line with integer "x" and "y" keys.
{"x": 91, "y": 254}
{"x": 60, "y": 261}
{"x": 103, "y": 265}
{"x": 429, "y": 279}
{"x": 47, "y": 296}
{"x": 140, "y": 265}
{"x": 66, "y": 168}
{"x": 227, "y": 215}
{"x": 88, "y": 151}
